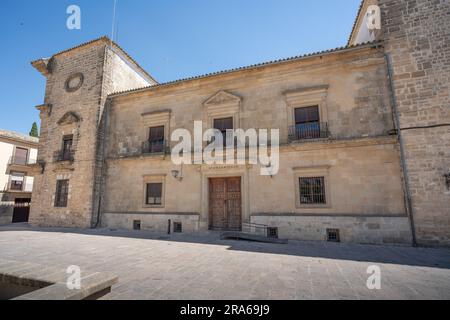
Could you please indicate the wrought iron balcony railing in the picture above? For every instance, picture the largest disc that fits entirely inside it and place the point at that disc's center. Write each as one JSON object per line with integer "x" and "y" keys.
{"x": 21, "y": 161}
{"x": 155, "y": 148}
{"x": 61, "y": 155}
{"x": 309, "y": 131}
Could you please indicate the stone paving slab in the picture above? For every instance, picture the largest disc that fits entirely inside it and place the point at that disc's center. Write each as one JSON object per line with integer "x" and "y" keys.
{"x": 202, "y": 266}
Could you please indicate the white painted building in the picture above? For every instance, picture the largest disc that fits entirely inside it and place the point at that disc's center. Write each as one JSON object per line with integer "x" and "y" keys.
{"x": 18, "y": 152}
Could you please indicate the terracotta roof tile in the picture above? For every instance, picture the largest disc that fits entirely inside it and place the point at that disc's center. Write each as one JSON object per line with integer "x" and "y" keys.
{"x": 336, "y": 50}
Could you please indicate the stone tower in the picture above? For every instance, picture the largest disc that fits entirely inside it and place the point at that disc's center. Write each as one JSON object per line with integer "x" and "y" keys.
{"x": 416, "y": 36}
{"x": 70, "y": 155}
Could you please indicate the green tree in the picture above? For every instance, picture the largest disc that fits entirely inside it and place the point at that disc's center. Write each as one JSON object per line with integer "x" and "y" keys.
{"x": 34, "y": 130}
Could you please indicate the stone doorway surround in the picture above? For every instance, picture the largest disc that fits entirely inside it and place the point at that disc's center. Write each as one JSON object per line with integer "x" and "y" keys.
{"x": 224, "y": 171}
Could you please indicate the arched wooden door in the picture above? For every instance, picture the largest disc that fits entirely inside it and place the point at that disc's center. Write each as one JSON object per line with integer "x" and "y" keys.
{"x": 225, "y": 204}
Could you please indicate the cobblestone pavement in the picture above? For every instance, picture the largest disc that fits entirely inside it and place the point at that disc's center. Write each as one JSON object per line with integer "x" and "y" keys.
{"x": 156, "y": 266}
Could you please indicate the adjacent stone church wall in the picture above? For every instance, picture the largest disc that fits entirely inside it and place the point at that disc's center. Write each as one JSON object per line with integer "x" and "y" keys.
{"x": 417, "y": 39}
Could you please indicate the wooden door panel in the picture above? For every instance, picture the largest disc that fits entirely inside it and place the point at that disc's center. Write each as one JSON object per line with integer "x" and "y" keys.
{"x": 225, "y": 204}
{"x": 234, "y": 206}
{"x": 217, "y": 214}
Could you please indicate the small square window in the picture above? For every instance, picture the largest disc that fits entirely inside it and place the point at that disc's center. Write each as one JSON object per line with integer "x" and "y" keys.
{"x": 154, "y": 194}
{"x": 177, "y": 227}
{"x": 333, "y": 235}
{"x": 137, "y": 225}
{"x": 272, "y": 233}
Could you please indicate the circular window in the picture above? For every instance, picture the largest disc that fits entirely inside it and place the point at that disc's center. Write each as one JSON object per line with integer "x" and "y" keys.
{"x": 74, "y": 82}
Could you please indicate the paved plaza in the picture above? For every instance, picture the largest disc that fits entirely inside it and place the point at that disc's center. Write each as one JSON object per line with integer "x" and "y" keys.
{"x": 158, "y": 266}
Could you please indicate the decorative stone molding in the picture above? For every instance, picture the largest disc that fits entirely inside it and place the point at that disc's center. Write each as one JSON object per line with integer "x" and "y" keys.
{"x": 307, "y": 97}
{"x": 223, "y": 105}
{"x": 44, "y": 66}
{"x": 69, "y": 118}
{"x": 223, "y": 98}
{"x": 45, "y": 109}
{"x": 155, "y": 119}
{"x": 74, "y": 82}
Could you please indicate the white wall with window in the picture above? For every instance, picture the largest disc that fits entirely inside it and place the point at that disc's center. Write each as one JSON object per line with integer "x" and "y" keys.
{"x": 20, "y": 150}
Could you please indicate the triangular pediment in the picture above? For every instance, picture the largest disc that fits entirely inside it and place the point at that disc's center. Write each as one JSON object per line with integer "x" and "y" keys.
{"x": 222, "y": 97}
{"x": 69, "y": 118}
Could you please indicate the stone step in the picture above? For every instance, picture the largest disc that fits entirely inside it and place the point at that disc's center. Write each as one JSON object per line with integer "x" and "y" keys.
{"x": 251, "y": 237}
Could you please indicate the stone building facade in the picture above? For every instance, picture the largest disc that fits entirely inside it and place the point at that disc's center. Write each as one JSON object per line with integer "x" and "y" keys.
{"x": 17, "y": 153}
{"x": 363, "y": 148}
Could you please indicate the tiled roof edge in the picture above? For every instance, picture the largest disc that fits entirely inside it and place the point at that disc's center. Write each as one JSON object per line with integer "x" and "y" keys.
{"x": 361, "y": 6}
{"x": 310, "y": 55}
{"x": 106, "y": 39}
{"x": 18, "y": 136}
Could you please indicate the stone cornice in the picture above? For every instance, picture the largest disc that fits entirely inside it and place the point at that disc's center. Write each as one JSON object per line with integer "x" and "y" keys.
{"x": 295, "y": 147}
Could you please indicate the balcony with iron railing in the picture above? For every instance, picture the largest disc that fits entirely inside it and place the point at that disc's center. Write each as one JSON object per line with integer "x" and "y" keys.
{"x": 309, "y": 131}
{"x": 64, "y": 156}
{"x": 20, "y": 164}
{"x": 21, "y": 161}
{"x": 155, "y": 148}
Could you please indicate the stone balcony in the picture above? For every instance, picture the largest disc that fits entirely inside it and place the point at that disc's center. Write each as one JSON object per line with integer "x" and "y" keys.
{"x": 23, "y": 165}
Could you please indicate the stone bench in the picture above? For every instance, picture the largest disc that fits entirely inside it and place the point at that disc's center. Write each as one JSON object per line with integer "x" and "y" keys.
{"x": 30, "y": 281}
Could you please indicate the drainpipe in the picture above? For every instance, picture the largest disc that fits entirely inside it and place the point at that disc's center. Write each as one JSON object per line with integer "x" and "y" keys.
{"x": 406, "y": 185}
{"x": 103, "y": 168}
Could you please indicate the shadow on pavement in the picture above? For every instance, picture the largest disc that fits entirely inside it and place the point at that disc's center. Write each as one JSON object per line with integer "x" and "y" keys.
{"x": 421, "y": 257}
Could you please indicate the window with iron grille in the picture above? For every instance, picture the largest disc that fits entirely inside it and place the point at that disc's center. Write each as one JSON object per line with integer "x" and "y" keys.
{"x": 333, "y": 235}
{"x": 272, "y": 233}
{"x": 154, "y": 194}
{"x": 177, "y": 227}
{"x": 312, "y": 190}
{"x": 62, "y": 193}
{"x": 156, "y": 139}
{"x": 223, "y": 125}
{"x": 137, "y": 224}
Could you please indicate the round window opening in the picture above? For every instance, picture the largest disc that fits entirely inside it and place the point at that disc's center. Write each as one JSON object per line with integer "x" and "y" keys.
{"x": 74, "y": 82}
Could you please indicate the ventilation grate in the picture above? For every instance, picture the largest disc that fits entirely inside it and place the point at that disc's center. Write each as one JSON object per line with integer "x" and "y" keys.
{"x": 333, "y": 235}
{"x": 177, "y": 227}
{"x": 272, "y": 233}
{"x": 137, "y": 224}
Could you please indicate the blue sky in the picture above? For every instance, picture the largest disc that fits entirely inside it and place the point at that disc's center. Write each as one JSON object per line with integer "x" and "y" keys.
{"x": 171, "y": 39}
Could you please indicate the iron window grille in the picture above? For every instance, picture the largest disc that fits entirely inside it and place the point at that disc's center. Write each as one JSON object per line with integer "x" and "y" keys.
{"x": 62, "y": 193}
{"x": 312, "y": 191}
{"x": 177, "y": 227}
{"x": 333, "y": 235}
{"x": 272, "y": 233}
